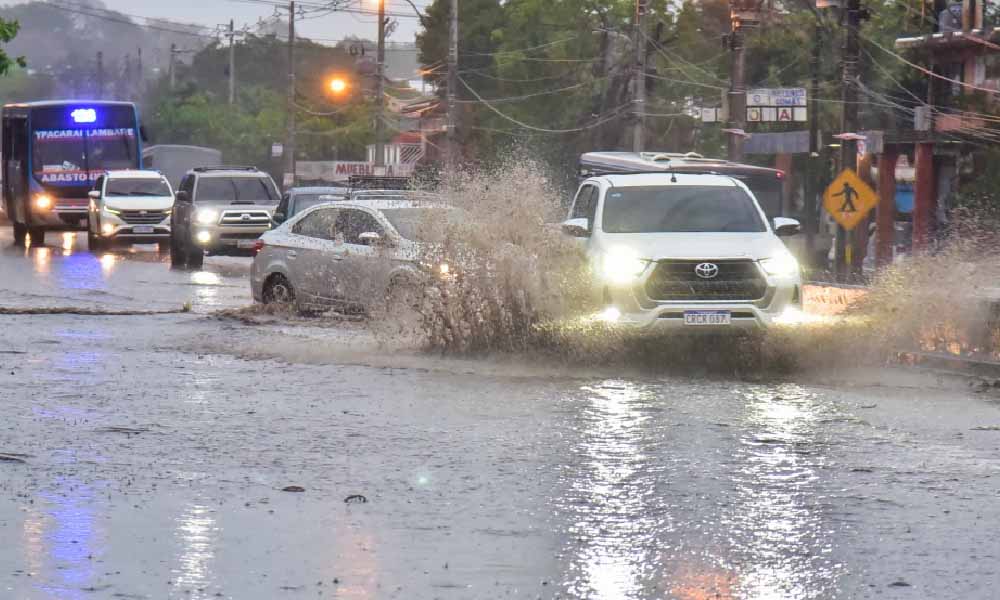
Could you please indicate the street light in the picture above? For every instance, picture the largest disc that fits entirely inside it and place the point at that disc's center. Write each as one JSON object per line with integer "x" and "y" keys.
{"x": 338, "y": 85}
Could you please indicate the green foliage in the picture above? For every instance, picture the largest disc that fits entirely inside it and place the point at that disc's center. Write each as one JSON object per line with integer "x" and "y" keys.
{"x": 565, "y": 65}
{"x": 197, "y": 111}
{"x": 8, "y": 31}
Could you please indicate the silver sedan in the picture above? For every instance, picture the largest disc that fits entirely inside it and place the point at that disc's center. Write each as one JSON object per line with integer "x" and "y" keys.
{"x": 352, "y": 255}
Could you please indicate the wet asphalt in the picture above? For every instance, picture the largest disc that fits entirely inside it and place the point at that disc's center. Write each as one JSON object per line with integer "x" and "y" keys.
{"x": 147, "y": 457}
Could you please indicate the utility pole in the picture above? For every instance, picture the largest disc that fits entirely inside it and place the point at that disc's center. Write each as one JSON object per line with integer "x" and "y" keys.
{"x": 639, "y": 77}
{"x": 289, "y": 179}
{"x": 170, "y": 66}
{"x": 815, "y": 159}
{"x": 452, "y": 133}
{"x": 380, "y": 89}
{"x": 849, "y": 123}
{"x": 100, "y": 75}
{"x": 232, "y": 61}
{"x": 737, "y": 82}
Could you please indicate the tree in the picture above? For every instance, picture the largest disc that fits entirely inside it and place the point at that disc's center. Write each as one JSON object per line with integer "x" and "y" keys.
{"x": 8, "y": 31}
{"x": 197, "y": 110}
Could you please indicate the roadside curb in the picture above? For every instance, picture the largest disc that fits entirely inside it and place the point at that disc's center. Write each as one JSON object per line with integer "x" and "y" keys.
{"x": 951, "y": 363}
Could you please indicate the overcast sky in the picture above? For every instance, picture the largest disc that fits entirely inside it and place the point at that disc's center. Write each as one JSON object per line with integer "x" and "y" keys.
{"x": 246, "y": 12}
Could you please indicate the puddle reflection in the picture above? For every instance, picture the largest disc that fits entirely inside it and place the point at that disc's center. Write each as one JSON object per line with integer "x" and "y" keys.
{"x": 784, "y": 548}
{"x": 197, "y": 535}
{"x": 61, "y": 542}
{"x": 614, "y": 531}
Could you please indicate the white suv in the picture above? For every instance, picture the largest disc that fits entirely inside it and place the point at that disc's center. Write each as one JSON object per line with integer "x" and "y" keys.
{"x": 129, "y": 207}
{"x": 684, "y": 251}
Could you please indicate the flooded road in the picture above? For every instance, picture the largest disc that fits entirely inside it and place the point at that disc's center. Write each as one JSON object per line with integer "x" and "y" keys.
{"x": 146, "y": 457}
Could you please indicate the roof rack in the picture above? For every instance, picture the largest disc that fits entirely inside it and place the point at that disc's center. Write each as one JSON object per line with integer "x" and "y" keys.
{"x": 377, "y": 182}
{"x": 223, "y": 168}
{"x": 596, "y": 164}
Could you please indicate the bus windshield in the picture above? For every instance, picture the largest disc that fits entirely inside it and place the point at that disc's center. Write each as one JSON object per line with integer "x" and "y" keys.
{"x": 78, "y": 156}
{"x": 71, "y": 145}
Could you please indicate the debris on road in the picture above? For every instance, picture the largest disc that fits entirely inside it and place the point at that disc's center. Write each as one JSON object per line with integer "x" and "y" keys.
{"x": 355, "y": 499}
{"x": 90, "y": 312}
{"x": 293, "y": 488}
{"x": 13, "y": 457}
{"x": 125, "y": 430}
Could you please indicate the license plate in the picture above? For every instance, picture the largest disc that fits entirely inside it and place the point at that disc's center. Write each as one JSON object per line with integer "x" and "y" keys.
{"x": 141, "y": 229}
{"x": 708, "y": 317}
{"x": 245, "y": 243}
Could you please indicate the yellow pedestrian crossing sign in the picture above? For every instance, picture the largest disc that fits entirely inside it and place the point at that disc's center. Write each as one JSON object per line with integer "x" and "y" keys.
{"x": 849, "y": 199}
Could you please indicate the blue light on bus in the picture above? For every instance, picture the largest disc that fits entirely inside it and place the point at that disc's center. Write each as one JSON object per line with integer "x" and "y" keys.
{"x": 84, "y": 115}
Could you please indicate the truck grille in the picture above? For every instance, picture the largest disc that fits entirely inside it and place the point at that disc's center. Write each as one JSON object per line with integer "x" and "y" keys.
{"x": 248, "y": 218}
{"x": 677, "y": 280}
{"x": 143, "y": 217}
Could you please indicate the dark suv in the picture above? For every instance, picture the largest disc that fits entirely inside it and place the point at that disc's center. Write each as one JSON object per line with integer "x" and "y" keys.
{"x": 220, "y": 210}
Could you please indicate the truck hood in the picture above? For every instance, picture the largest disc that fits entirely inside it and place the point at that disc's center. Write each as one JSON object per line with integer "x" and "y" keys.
{"x": 139, "y": 202}
{"x": 237, "y": 207}
{"x": 659, "y": 246}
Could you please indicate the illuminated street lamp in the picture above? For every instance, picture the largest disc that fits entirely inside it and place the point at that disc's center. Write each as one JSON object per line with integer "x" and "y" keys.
{"x": 338, "y": 85}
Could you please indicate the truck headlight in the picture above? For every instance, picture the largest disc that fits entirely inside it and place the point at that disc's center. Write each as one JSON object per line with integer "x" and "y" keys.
{"x": 782, "y": 265}
{"x": 43, "y": 201}
{"x": 206, "y": 216}
{"x": 622, "y": 265}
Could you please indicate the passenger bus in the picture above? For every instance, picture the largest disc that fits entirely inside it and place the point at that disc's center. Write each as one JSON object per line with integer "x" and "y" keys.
{"x": 52, "y": 154}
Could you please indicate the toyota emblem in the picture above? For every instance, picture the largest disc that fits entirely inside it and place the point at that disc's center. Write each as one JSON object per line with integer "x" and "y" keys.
{"x": 706, "y": 270}
{"x": 244, "y": 217}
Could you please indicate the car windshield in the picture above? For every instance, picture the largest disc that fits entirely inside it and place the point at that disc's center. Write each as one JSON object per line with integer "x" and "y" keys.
{"x": 422, "y": 224}
{"x": 680, "y": 209}
{"x": 137, "y": 187}
{"x": 236, "y": 190}
{"x": 304, "y": 201}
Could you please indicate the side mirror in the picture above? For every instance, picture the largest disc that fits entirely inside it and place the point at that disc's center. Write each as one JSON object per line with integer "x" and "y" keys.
{"x": 278, "y": 217}
{"x": 183, "y": 197}
{"x": 143, "y": 134}
{"x": 576, "y": 227}
{"x": 94, "y": 194}
{"x": 370, "y": 238}
{"x": 784, "y": 227}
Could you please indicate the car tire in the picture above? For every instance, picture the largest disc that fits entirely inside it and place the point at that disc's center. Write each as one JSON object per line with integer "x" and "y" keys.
{"x": 20, "y": 233}
{"x": 178, "y": 258}
{"x": 278, "y": 290}
{"x": 94, "y": 242}
{"x": 195, "y": 257}
{"x": 402, "y": 320}
{"x": 37, "y": 235}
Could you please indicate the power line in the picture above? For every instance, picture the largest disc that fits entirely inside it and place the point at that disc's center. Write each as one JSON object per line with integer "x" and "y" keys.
{"x": 532, "y": 95}
{"x": 925, "y": 70}
{"x": 500, "y": 113}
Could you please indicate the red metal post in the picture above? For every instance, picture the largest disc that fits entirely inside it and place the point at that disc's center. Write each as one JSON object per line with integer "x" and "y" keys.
{"x": 924, "y": 197}
{"x": 885, "y": 223}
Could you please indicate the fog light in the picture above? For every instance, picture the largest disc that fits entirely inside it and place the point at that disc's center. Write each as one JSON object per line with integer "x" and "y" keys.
{"x": 203, "y": 237}
{"x": 43, "y": 202}
{"x": 107, "y": 229}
